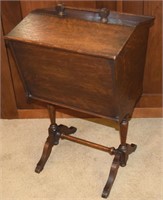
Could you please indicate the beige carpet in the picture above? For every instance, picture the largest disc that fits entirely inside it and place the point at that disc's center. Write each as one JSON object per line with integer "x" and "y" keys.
{"x": 76, "y": 172}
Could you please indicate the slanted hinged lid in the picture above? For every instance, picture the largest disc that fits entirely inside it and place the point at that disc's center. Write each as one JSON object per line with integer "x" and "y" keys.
{"x": 93, "y": 32}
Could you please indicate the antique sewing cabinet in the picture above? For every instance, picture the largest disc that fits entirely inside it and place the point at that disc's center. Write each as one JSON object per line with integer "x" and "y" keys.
{"x": 90, "y": 61}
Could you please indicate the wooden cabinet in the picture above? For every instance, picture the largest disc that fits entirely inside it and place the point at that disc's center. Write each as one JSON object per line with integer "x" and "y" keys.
{"x": 151, "y": 101}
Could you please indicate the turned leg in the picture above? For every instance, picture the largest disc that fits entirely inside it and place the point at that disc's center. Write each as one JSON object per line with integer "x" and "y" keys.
{"x": 120, "y": 159}
{"x": 125, "y": 148}
{"x": 123, "y": 137}
{"x": 52, "y": 113}
{"x": 55, "y": 132}
{"x": 123, "y": 132}
{"x": 52, "y": 140}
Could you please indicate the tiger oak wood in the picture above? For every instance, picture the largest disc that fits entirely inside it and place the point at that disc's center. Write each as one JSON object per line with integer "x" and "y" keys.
{"x": 86, "y": 60}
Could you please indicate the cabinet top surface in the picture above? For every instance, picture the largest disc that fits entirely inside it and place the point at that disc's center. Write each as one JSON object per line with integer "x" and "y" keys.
{"x": 81, "y": 31}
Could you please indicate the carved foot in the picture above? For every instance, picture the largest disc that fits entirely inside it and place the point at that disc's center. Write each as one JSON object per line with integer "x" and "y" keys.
{"x": 112, "y": 175}
{"x": 120, "y": 159}
{"x": 66, "y": 130}
{"x": 45, "y": 154}
{"x": 53, "y": 139}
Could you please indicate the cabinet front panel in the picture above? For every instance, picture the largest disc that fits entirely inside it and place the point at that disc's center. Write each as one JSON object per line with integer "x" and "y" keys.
{"x": 68, "y": 79}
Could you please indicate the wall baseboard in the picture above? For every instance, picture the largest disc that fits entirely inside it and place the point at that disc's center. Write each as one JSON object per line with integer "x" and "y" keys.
{"x": 43, "y": 113}
{"x": 148, "y": 113}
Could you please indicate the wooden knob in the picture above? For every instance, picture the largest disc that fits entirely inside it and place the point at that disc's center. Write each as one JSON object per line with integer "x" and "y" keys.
{"x": 60, "y": 9}
{"x": 104, "y": 13}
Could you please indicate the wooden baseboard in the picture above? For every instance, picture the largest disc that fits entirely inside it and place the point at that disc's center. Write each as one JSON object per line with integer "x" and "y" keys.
{"x": 150, "y": 101}
{"x": 43, "y": 113}
{"x": 148, "y": 113}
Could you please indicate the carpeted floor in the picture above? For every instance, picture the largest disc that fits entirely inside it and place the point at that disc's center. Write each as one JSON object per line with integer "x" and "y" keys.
{"x": 76, "y": 172}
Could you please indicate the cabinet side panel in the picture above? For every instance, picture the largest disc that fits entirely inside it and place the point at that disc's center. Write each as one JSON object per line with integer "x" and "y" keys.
{"x": 67, "y": 79}
{"x": 130, "y": 71}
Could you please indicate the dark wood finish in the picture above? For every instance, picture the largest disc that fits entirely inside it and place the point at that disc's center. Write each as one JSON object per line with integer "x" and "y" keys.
{"x": 51, "y": 140}
{"x": 123, "y": 132}
{"x": 8, "y": 103}
{"x": 113, "y": 173}
{"x": 120, "y": 159}
{"x": 135, "y": 7}
{"x": 119, "y": 6}
{"x": 111, "y": 5}
{"x": 130, "y": 94}
{"x": 148, "y": 112}
{"x": 63, "y": 113}
{"x": 65, "y": 78}
{"x": 28, "y": 6}
{"x": 47, "y": 149}
{"x": 88, "y": 143}
{"x": 66, "y": 33}
{"x": 9, "y": 21}
{"x": 80, "y": 4}
{"x": 121, "y": 153}
{"x": 150, "y": 101}
{"x": 12, "y": 12}
{"x": 43, "y": 113}
{"x": 84, "y": 57}
{"x": 55, "y": 132}
{"x": 150, "y": 106}
{"x": 153, "y": 69}
{"x": 90, "y": 61}
{"x": 52, "y": 113}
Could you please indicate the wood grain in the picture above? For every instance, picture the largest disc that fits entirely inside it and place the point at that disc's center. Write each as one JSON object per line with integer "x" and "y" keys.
{"x": 52, "y": 80}
{"x": 95, "y": 71}
{"x": 9, "y": 21}
{"x": 152, "y": 85}
{"x": 111, "y": 5}
{"x": 8, "y": 102}
{"x": 132, "y": 6}
{"x": 119, "y": 6}
{"x": 153, "y": 68}
{"x": 34, "y": 29}
{"x": 130, "y": 75}
{"x": 11, "y": 15}
{"x": 28, "y": 6}
{"x": 148, "y": 113}
{"x": 150, "y": 101}
{"x": 80, "y": 4}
